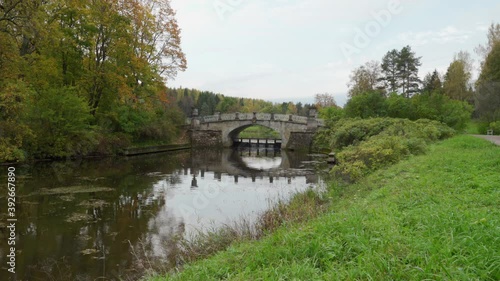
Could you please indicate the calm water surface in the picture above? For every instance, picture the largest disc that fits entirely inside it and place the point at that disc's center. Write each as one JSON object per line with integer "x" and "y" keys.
{"x": 98, "y": 219}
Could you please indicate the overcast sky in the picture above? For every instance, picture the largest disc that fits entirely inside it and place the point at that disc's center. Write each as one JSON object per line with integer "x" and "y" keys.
{"x": 293, "y": 49}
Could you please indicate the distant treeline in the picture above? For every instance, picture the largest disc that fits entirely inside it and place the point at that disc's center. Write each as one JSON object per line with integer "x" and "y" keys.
{"x": 208, "y": 103}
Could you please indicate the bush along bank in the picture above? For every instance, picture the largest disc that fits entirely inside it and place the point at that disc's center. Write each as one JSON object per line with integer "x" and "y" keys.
{"x": 365, "y": 145}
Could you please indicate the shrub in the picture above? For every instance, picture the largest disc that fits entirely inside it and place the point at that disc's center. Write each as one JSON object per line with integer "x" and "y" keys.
{"x": 370, "y": 144}
{"x": 351, "y": 131}
{"x": 112, "y": 143}
{"x": 377, "y": 152}
{"x": 495, "y": 126}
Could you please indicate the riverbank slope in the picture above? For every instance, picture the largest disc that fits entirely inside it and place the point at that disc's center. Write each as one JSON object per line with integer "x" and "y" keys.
{"x": 433, "y": 216}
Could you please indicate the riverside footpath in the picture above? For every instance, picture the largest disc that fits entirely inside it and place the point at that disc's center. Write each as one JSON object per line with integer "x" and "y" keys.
{"x": 493, "y": 139}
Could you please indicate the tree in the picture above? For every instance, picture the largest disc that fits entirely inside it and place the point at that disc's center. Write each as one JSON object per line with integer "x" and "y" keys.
{"x": 432, "y": 82}
{"x": 493, "y": 38}
{"x": 456, "y": 81}
{"x": 400, "y": 71}
{"x": 365, "y": 78}
{"x": 488, "y": 87}
{"x": 390, "y": 71}
{"x": 407, "y": 71}
{"x": 113, "y": 56}
{"x": 156, "y": 27}
{"x": 324, "y": 100}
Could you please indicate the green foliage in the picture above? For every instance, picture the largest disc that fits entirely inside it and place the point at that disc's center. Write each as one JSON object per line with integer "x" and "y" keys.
{"x": 13, "y": 131}
{"x": 60, "y": 121}
{"x": 399, "y": 107}
{"x": 488, "y": 87}
{"x": 495, "y": 126}
{"x": 456, "y": 83}
{"x": 112, "y": 143}
{"x": 379, "y": 151}
{"x": 332, "y": 113}
{"x": 400, "y": 71}
{"x": 162, "y": 125}
{"x": 366, "y": 105}
{"x": 434, "y": 106}
{"x": 432, "y": 82}
{"x": 369, "y": 144}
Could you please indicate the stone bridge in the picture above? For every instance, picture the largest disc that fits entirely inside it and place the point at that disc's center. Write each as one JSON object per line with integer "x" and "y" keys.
{"x": 221, "y": 129}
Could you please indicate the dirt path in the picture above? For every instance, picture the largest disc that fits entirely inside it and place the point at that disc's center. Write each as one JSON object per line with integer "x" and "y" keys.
{"x": 493, "y": 139}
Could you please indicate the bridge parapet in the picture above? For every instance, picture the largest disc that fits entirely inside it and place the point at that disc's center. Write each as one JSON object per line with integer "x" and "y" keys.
{"x": 299, "y": 119}
{"x": 263, "y": 116}
{"x": 258, "y": 116}
{"x": 245, "y": 116}
{"x": 228, "y": 116}
{"x": 211, "y": 118}
{"x": 282, "y": 117}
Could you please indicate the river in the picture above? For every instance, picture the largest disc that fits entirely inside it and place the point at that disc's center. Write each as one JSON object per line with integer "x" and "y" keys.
{"x": 101, "y": 219}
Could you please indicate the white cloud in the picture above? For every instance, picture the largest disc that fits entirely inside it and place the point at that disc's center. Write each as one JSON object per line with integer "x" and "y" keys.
{"x": 449, "y": 34}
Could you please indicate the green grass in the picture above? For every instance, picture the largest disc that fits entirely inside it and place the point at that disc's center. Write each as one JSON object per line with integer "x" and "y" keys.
{"x": 431, "y": 217}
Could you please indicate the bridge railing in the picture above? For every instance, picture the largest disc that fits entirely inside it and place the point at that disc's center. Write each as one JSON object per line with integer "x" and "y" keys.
{"x": 211, "y": 118}
{"x": 258, "y": 116}
{"x": 281, "y": 117}
{"x": 245, "y": 116}
{"x": 299, "y": 119}
{"x": 263, "y": 116}
{"x": 228, "y": 116}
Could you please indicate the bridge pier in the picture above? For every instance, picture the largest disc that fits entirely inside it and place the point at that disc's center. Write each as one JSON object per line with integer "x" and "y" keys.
{"x": 300, "y": 141}
{"x": 201, "y": 138}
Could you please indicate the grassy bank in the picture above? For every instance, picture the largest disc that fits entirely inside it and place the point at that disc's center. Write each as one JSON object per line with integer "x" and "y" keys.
{"x": 433, "y": 216}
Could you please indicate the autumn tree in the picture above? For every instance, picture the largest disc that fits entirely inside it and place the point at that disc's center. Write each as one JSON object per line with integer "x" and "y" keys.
{"x": 365, "y": 78}
{"x": 111, "y": 56}
{"x": 457, "y": 78}
{"x": 324, "y": 100}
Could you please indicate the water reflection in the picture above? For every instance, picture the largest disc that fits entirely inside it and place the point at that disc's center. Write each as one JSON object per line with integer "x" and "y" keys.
{"x": 86, "y": 230}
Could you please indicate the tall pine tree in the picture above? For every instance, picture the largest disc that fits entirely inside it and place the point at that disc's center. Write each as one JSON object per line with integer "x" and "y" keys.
{"x": 407, "y": 65}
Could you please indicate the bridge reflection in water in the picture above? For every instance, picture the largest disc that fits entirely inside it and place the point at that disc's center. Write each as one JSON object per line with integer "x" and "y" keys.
{"x": 251, "y": 162}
